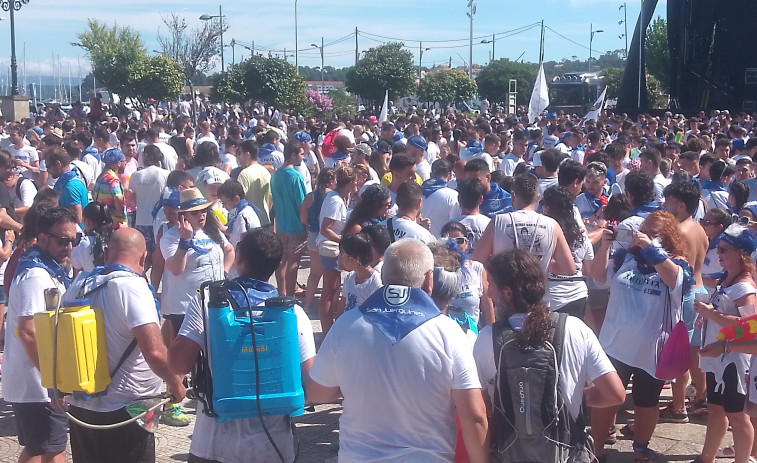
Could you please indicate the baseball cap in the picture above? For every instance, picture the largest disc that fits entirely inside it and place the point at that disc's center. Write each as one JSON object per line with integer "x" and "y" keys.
{"x": 417, "y": 141}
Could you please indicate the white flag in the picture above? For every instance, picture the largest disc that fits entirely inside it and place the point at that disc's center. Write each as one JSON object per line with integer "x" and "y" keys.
{"x": 594, "y": 113}
{"x": 384, "y": 109}
{"x": 539, "y": 97}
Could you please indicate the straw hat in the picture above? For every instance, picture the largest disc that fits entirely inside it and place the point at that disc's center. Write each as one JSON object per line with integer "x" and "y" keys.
{"x": 192, "y": 200}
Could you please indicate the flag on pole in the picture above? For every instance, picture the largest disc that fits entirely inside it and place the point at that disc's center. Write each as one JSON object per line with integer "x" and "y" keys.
{"x": 594, "y": 113}
{"x": 384, "y": 109}
{"x": 539, "y": 97}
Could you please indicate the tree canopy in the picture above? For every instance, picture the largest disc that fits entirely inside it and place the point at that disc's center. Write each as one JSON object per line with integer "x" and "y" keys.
{"x": 494, "y": 80}
{"x": 195, "y": 49}
{"x": 260, "y": 78}
{"x": 386, "y": 67}
{"x": 446, "y": 86}
{"x": 112, "y": 51}
{"x": 658, "y": 52}
{"x": 156, "y": 77}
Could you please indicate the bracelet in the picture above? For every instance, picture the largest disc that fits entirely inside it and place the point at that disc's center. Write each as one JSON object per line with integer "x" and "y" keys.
{"x": 654, "y": 254}
{"x": 185, "y": 244}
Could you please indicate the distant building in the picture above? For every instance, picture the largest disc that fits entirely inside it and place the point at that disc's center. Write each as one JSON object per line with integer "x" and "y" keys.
{"x": 328, "y": 85}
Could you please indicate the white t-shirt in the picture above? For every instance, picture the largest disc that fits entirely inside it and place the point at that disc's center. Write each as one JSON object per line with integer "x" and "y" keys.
{"x": 470, "y": 290}
{"x": 95, "y": 167}
{"x": 27, "y": 154}
{"x": 509, "y": 163}
{"x": 22, "y": 382}
{"x": 82, "y": 256}
{"x": 209, "y": 138}
{"x": 179, "y": 290}
{"x": 397, "y": 401}
{"x": 715, "y": 199}
{"x": 229, "y": 159}
{"x": 245, "y": 221}
{"x": 660, "y": 182}
{"x": 85, "y": 171}
{"x": 485, "y": 156}
{"x": 583, "y": 361}
{"x": 440, "y": 206}
{"x": 354, "y": 293}
{"x": 274, "y": 158}
{"x": 28, "y": 192}
{"x": 531, "y": 232}
{"x": 476, "y": 224}
{"x": 423, "y": 169}
{"x": 237, "y": 440}
{"x": 404, "y": 228}
{"x": 127, "y": 303}
{"x": 432, "y": 153}
{"x": 545, "y": 183}
{"x": 333, "y": 208}
{"x": 563, "y": 290}
{"x": 170, "y": 157}
{"x": 147, "y": 185}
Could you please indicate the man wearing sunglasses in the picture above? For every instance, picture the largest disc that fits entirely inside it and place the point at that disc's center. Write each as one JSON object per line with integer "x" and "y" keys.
{"x": 45, "y": 265}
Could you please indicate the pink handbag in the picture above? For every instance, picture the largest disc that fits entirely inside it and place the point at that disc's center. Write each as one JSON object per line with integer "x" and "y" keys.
{"x": 674, "y": 356}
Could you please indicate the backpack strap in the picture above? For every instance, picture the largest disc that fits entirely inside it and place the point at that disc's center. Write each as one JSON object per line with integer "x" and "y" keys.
{"x": 391, "y": 229}
{"x": 124, "y": 356}
{"x": 558, "y": 338}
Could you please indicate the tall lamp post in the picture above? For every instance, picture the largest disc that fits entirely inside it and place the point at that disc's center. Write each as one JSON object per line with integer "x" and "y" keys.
{"x": 591, "y": 39}
{"x": 220, "y": 16}
{"x": 323, "y": 84}
{"x": 11, "y": 6}
{"x": 491, "y": 42}
{"x": 296, "y": 42}
{"x": 470, "y": 14}
{"x": 420, "y": 58}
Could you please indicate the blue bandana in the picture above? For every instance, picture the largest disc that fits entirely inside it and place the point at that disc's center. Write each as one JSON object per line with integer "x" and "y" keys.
{"x": 258, "y": 291}
{"x": 397, "y": 310}
{"x": 63, "y": 180}
{"x": 171, "y": 199}
{"x": 712, "y": 185}
{"x": 432, "y": 185}
{"x": 90, "y": 150}
{"x": 34, "y": 257}
{"x": 338, "y": 156}
{"x": 646, "y": 209}
{"x": 237, "y": 210}
{"x": 497, "y": 201}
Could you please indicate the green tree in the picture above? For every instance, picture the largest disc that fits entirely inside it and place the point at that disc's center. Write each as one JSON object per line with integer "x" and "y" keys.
{"x": 613, "y": 80}
{"x": 446, "y": 86}
{"x": 344, "y": 105}
{"x": 494, "y": 80}
{"x": 260, "y": 78}
{"x": 658, "y": 52}
{"x": 112, "y": 52}
{"x": 156, "y": 77}
{"x": 386, "y": 67}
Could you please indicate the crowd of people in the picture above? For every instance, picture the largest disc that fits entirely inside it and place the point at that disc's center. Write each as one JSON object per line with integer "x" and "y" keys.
{"x": 433, "y": 240}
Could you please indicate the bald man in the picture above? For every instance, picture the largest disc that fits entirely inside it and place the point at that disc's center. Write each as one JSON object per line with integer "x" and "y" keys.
{"x": 135, "y": 351}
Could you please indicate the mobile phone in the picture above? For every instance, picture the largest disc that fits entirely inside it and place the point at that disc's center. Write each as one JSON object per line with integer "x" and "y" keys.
{"x": 624, "y": 235}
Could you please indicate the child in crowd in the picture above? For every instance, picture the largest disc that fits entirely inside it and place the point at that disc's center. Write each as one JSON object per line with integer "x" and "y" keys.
{"x": 242, "y": 216}
{"x": 356, "y": 255}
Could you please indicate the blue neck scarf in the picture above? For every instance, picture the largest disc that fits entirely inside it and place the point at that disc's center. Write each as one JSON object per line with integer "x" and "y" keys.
{"x": 63, "y": 180}
{"x": 338, "y": 156}
{"x": 646, "y": 209}
{"x": 433, "y": 185}
{"x": 34, "y": 257}
{"x": 257, "y": 291}
{"x": 397, "y": 310}
{"x": 237, "y": 210}
{"x": 712, "y": 185}
{"x": 595, "y": 202}
{"x": 497, "y": 201}
{"x": 92, "y": 151}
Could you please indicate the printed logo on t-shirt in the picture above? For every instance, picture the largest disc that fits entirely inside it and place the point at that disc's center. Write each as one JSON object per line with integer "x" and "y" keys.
{"x": 396, "y": 295}
{"x": 642, "y": 283}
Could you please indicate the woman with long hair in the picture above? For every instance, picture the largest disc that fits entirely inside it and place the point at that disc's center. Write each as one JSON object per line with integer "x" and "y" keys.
{"x": 646, "y": 278}
{"x": 371, "y": 210}
{"x": 332, "y": 219}
{"x": 725, "y": 369}
{"x": 310, "y": 209}
{"x": 568, "y": 293}
{"x": 98, "y": 226}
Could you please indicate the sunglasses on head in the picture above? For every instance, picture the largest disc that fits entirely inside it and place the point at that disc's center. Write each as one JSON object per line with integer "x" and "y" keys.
{"x": 64, "y": 240}
{"x": 743, "y": 221}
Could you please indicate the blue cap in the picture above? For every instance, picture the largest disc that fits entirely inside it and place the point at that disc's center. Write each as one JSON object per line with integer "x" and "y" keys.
{"x": 551, "y": 115}
{"x": 417, "y": 141}
{"x": 740, "y": 237}
{"x": 113, "y": 156}
{"x": 303, "y": 137}
{"x": 738, "y": 144}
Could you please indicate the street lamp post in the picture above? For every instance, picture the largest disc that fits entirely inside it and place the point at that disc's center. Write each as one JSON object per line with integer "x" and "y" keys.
{"x": 491, "y": 42}
{"x": 11, "y": 6}
{"x": 323, "y": 84}
{"x": 625, "y": 24}
{"x": 470, "y": 14}
{"x": 296, "y": 43}
{"x": 220, "y": 16}
{"x": 591, "y": 39}
{"x": 420, "y": 58}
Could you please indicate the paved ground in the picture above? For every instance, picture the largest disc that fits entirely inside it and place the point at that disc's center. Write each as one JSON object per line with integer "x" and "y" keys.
{"x": 318, "y": 430}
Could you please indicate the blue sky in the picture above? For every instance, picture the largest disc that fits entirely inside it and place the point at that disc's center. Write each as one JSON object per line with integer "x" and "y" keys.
{"x": 46, "y": 28}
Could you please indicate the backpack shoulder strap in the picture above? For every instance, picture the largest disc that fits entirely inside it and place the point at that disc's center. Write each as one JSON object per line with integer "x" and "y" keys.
{"x": 558, "y": 338}
{"x": 124, "y": 356}
{"x": 391, "y": 229}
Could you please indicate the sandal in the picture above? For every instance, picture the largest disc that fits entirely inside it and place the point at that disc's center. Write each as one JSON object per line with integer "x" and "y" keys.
{"x": 726, "y": 452}
{"x": 612, "y": 436}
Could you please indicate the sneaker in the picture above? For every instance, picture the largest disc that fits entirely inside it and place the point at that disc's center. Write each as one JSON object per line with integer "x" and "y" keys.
{"x": 691, "y": 392}
{"x": 668, "y": 415}
{"x": 698, "y": 408}
{"x": 174, "y": 416}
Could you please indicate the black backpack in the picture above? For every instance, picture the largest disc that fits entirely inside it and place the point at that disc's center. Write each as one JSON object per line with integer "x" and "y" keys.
{"x": 531, "y": 423}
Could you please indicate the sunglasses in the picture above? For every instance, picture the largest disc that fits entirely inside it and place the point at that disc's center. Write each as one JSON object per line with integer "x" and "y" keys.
{"x": 722, "y": 249}
{"x": 201, "y": 211}
{"x": 64, "y": 240}
{"x": 459, "y": 240}
{"x": 743, "y": 221}
{"x": 705, "y": 222}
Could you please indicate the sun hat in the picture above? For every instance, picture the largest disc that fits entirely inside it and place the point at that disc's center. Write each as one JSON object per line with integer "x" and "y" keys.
{"x": 192, "y": 200}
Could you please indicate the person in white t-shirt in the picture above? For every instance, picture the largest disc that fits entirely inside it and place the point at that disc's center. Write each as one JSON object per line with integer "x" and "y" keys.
{"x": 355, "y": 257}
{"x": 518, "y": 285}
{"x": 129, "y": 313}
{"x": 408, "y": 222}
{"x": 399, "y": 383}
{"x": 440, "y": 203}
{"x": 229, "y": 157}
{"x": 242, "y": 216}
{"x": 470, "y": 195}
{"x": 147, "y": 186}
{"x": 259, "y": 254}
{"x": 416, "y": 148}
{"x": 27, "y": 159}
{"x": 39, "y": 268}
